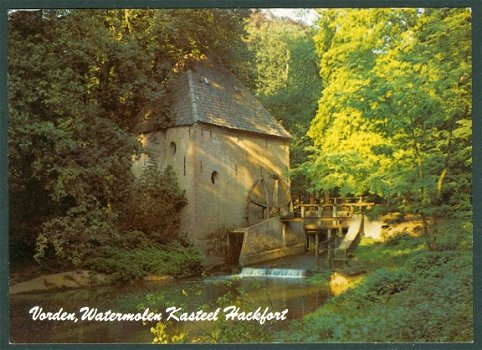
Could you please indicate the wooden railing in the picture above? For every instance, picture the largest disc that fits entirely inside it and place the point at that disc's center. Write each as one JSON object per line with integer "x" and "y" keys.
{"x": 330, "y": 207}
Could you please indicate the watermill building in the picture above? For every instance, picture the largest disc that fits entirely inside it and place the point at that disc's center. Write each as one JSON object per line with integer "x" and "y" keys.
{"x": 231, "y": 156}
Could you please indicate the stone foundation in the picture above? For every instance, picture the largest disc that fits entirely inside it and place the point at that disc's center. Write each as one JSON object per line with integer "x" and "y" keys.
{"x": 270, "y": 239}
{"x": 245, "y": 260}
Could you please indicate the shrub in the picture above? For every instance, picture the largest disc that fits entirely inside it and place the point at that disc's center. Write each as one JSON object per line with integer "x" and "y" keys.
{"x": 428, "y": 263}
{"x": 173, "y": 259}
{"x": 450, "y": 235}
{"x": 128, "y": 239}
{"x": 400, "y": 238}
{"x": 381, "y": 284}
{"x": 78, "y": 234}
{"x": 154, "y": 204}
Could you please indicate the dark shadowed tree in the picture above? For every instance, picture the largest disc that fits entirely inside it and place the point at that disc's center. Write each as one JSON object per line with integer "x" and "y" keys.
{"x": 77, "y": 81}
{"x": 287, "y": 79}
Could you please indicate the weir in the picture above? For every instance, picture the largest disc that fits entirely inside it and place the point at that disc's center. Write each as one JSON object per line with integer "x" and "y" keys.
{"x": 272, "y": 272}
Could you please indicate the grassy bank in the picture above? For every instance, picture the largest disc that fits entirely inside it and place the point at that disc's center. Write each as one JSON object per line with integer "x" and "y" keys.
{"x": 409, "y": 294}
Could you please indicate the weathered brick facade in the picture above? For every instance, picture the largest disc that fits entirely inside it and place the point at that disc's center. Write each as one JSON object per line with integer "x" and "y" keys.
{"x": 217, "y": 200}
{"x": 219, "y": 141}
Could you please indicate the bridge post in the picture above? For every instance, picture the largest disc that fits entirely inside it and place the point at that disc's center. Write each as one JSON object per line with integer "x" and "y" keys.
{"x": 317, "y": 250}
{"x": 331, "y": 250}
{"x": 283, "y": 234}
{"x": 335, "y": 211}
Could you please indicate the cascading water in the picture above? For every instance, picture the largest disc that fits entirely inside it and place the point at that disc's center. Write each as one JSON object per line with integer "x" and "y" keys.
{"x": 272, "y": 272}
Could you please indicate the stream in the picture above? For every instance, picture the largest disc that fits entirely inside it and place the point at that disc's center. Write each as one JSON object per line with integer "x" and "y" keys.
{"x": 194, "y": 294}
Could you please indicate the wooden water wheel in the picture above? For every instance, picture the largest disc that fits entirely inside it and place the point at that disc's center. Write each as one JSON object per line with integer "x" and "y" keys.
{"x": 266, "y": 198}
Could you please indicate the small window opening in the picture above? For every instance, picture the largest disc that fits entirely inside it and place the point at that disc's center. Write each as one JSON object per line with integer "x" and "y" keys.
{"x": 214, "y": 177}
{"x": 172, "y": 148}
{"x": 236, "y": 168}
{"x": 184, "y": 165}
{"x": 201, "y": 166}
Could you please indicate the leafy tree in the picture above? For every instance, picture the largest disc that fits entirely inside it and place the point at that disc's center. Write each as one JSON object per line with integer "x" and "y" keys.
{"x": 67, "y": 161}
{"x": 286, "y": 78}
{"x": 154, "y": 193}
{"x": 394, "y": 116}
{"x": 77, "y": 81}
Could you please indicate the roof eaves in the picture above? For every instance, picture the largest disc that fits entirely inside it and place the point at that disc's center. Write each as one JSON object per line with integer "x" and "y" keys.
{"x": 286, "y": 136}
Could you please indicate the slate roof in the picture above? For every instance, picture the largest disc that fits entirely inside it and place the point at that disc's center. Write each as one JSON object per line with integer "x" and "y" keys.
{"x": 208, "y": 93}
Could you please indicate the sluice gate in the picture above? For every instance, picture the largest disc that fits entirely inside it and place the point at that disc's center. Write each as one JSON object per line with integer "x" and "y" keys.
{"x": 331, "y": 226}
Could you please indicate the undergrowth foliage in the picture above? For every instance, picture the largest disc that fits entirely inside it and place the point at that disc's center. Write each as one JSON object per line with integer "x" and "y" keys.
{"x": 173, "y": 259}
{"x": 426, "y": 298}
{"x": 129, "y": 239}
{"x": 222, "y": 331}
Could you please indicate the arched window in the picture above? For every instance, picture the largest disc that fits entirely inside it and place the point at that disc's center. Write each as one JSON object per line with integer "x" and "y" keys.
{"x": 172, "y": 148}
{"x": 214, "y": 177}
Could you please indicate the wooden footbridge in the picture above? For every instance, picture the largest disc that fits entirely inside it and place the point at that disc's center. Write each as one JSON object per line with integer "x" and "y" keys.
{"x": 330, "y": 224}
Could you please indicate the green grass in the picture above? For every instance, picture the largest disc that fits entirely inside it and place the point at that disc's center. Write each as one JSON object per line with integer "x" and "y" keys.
{"x": 376, "y": 255}
{"x": 410, "y": 294}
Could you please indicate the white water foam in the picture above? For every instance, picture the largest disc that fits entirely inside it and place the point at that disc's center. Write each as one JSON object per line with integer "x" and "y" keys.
{"x": 275, "y": 273}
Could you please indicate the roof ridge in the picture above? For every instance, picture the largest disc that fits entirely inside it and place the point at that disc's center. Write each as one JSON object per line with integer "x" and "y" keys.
{"x": 195, "y": 110}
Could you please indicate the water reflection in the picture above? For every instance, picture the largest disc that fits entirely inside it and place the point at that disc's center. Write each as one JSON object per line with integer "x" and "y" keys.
{"x": 296, "y": 295}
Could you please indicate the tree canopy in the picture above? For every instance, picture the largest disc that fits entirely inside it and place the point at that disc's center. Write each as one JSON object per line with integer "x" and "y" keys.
{"x": 394, "y": 116}
{"x": 77, "y": 81}
{"x": 286, "y": 79}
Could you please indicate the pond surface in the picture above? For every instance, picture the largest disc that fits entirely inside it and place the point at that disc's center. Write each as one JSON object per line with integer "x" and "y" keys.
{"x": 295, "y": 294}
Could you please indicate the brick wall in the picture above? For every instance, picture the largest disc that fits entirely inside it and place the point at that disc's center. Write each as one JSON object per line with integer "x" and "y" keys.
{"x": 238, "y": 160}
{"x": 217, "y": 167}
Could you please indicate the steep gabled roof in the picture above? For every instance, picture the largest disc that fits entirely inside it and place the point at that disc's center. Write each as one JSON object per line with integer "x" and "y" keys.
{"x": 210, "y": 94}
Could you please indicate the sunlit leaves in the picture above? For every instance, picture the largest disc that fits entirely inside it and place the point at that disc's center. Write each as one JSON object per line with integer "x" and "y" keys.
{"x": 400, "y": 78}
